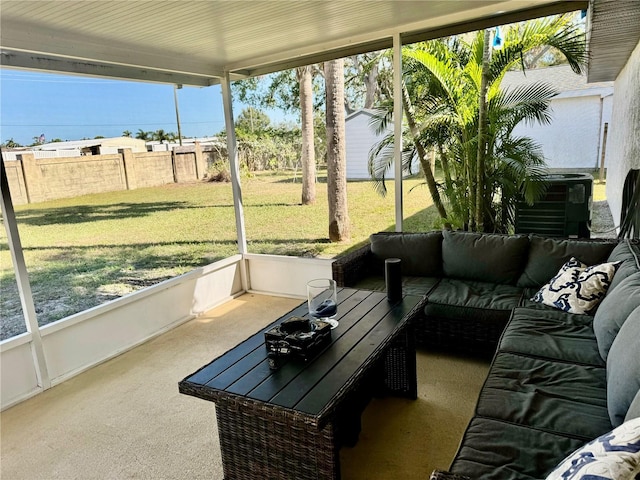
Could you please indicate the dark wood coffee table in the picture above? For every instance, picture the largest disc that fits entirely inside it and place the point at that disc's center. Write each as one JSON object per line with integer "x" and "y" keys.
{"x": 290, "y": 423}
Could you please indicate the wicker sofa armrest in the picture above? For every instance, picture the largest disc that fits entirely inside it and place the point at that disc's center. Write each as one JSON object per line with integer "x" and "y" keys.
{"x": 442, "y": 475}
{"x": 348, "y": 269}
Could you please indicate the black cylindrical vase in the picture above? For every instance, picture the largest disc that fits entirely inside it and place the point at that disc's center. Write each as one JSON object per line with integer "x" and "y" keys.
{"x": 393, "y": 279}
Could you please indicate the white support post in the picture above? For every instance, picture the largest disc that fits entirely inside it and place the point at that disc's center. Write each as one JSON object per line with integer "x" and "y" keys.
{"x": 22, "y": 279}
{"x": 397, "y": 126}
{"x": 232, "y": 151}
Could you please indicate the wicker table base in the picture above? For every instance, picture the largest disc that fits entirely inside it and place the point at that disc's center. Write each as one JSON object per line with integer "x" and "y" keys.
{"x": 313, "y": 408}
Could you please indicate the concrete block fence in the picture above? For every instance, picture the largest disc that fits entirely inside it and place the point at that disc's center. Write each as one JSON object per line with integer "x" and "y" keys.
{"x": 34, "y": 180}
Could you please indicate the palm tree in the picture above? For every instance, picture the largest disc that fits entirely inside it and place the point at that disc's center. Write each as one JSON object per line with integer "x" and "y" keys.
{"x": 160, "y": 135}
{"x": 485, "y": 168}
{"x": 142, "y": 135}
{"x": 339, "y": 228}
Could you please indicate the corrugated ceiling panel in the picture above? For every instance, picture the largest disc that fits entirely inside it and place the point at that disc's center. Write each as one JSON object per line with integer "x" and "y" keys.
{"x": 615, "y": 33}
{"x": 203, "y": 38}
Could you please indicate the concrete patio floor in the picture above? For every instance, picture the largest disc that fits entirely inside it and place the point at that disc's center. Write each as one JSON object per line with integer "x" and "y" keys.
{"x": 126, "y": 419}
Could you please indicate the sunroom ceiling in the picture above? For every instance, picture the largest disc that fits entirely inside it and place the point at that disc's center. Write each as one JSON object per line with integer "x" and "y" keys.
{"x": 195, "y": 42}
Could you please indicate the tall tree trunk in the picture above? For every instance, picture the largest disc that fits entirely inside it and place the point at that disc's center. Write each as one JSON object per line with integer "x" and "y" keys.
{"x": 336, "y": 151}
{"x": 308, "y": 159}
{"x": 371, "y": 85}
{"x": 422, "y": 156}
{"x": 482, "y": 135}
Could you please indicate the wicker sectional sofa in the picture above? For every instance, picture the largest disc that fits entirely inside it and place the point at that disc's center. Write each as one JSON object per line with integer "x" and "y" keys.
{"x": 557, "y": 380}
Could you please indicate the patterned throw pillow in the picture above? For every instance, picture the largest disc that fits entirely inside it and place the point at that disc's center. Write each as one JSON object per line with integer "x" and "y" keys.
{"x": 577, "y": 288}
{"x": 615, "y": 455}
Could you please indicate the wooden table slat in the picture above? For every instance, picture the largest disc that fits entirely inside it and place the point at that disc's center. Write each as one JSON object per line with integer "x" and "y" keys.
{"x": 291, "y": 395}
{"x": 268, "y": 389}
{"x": 229, "y": 360}
{"x": 218, "y": 365}
{"x": 324, "y": 392}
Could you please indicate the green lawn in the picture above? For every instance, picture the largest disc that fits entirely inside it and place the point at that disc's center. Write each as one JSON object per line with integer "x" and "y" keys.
{"x": 81, "y": 252}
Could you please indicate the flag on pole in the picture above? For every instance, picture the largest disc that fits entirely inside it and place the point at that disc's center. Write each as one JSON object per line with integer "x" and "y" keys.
{"x": 497, "y": 39}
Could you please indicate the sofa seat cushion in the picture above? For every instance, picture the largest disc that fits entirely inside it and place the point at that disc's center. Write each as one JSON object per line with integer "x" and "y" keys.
{"x": 462, "y": 298}
{"x": 496, "y": 450}
{"x": 557, "y": 397}
{"x": 547, "y": 255}
{"x": 410, "y": 285}
{"x": 551, "y": 334}
{"x": 484, "y": 257}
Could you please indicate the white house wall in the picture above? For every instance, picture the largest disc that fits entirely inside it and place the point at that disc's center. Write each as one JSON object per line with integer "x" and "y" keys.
{"x": 571, "y": 141}
{"x": 360, "y": 138}
{"x": 623, "y": 147}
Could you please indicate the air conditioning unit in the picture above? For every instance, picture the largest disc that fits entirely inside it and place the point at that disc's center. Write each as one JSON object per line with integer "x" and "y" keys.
{"x": 565, "y": 210}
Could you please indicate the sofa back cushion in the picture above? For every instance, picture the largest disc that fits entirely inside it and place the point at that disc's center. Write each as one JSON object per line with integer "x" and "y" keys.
{"x": 420, "y": 253}
{"x": 623, "y": 369}
{"x": 614, "y": 310}
{"x": 485, "y": 257}
{"x": 629, "y": 254}
{"x": 634, "y": 409}
{"x": 547, "y": 255}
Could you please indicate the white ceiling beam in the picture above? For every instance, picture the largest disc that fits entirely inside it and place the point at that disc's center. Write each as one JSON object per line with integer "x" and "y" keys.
{"x": 41, "y": 62}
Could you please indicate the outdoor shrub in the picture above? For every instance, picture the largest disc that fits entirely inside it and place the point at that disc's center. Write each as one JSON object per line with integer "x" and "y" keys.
{"x": 218, "y": 172}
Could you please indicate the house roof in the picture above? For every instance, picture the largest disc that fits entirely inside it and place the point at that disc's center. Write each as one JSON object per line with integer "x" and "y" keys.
{"x": 195, "y": 42}
{"x": 94, "y": 142}
{"x": 563, "y": 79}
{"x": 363, "y": 111}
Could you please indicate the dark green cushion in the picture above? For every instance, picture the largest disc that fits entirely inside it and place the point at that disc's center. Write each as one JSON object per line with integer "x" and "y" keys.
{"x": 420, "y": 253}
{"x": 623, "y": 368}
{"x": 629, "y": 255}
{"x": 554, "y": 396}
{"x": 548, "y": 255}
{"x": 551, "y": 334}
{"x": 495, "y": 450}
{"x": 614, "y": 310}
{"x": 451, "y": 295}
{"x": 484, "y": 257}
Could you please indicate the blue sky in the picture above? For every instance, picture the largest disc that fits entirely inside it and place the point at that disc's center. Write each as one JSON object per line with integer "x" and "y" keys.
{"x": 73, "y": 107}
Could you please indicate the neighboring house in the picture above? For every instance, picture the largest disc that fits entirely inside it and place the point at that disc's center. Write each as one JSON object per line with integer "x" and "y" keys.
{"x": 360, "y": 139}
{"x": 213, "y": 142}
{"x": 96, "y": 146}
{"x": 581, "y": 113}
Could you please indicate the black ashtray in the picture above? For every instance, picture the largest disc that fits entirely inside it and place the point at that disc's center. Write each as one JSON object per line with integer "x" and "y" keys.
{"x": 296, "y": 337}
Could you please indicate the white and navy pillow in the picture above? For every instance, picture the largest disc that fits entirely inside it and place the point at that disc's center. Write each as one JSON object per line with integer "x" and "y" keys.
{"x": 613, "y": 456}
{"x": 577, "y": 288}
